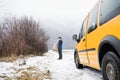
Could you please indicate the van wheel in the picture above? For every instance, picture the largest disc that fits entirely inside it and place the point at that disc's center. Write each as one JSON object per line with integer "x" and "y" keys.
{"x": 111, "y": 66}
{"x": 77, "y": 61}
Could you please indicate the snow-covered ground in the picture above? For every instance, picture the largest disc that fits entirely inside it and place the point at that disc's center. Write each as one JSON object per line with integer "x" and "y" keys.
{"x": 60, "y": 69}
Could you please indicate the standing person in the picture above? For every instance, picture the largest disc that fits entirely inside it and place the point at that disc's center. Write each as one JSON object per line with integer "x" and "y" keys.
{"x": 60, "y": 42}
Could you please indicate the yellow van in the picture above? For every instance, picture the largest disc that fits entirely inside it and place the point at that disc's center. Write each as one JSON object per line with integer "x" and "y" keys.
{"x": 98, "y": 43}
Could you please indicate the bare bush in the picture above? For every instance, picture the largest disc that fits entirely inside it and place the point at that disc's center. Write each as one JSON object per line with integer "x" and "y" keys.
{"x": 22, "y": 36}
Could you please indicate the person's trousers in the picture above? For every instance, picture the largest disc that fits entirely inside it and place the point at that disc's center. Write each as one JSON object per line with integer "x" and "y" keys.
{"x": 60, "y": 53}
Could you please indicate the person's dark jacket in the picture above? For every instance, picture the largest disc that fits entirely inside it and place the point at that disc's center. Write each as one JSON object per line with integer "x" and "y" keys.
{"x": 60, "y": 42}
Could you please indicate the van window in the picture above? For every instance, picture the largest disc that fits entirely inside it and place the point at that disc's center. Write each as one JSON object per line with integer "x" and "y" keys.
{"x": 92, "y": 25}
{"x": 83, "y": 29}
{"x": 109, "y": 9}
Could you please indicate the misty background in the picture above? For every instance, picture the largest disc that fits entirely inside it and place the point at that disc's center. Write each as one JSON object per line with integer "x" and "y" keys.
{"x": 57, "y": 17}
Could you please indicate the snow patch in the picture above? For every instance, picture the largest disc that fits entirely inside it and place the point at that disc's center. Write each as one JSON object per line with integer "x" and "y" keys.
{"x": 60, "y": 69}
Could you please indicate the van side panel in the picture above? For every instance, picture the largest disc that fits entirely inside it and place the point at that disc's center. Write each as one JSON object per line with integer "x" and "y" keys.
{"x": 111, "y": 28}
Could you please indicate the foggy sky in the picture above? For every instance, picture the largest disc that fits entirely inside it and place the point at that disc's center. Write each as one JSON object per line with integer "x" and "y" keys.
{"x": 57, "y": 17}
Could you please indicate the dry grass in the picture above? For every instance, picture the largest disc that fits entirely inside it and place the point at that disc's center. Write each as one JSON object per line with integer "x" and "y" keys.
{"x": 13, "y": 58}
{"x": 8, "y": 59}
{"x": 30, "y": 73}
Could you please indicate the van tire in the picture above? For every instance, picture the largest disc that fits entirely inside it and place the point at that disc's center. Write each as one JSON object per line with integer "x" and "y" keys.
{"x": 77, "y": 61}
{"x": 111, "y": 66}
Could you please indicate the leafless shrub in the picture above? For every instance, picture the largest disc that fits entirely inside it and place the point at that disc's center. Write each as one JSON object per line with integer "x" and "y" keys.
{"x": 22, "y": 36}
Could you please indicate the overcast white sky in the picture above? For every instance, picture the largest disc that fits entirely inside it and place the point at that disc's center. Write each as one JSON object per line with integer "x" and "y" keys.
{"x": 46, "y": 9}
{"x": 56, "y": 16}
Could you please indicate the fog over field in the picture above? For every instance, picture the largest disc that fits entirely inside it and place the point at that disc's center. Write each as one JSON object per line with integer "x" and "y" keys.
{"x": 58, "y": 17}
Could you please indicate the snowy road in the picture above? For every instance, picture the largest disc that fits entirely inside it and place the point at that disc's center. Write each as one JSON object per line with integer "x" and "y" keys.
{"x": 65, "y": 69}
{"x": 60, "y": 69}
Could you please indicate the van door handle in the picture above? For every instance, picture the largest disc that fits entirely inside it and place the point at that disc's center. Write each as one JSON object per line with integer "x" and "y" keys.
{"x": 84, "y": 39}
